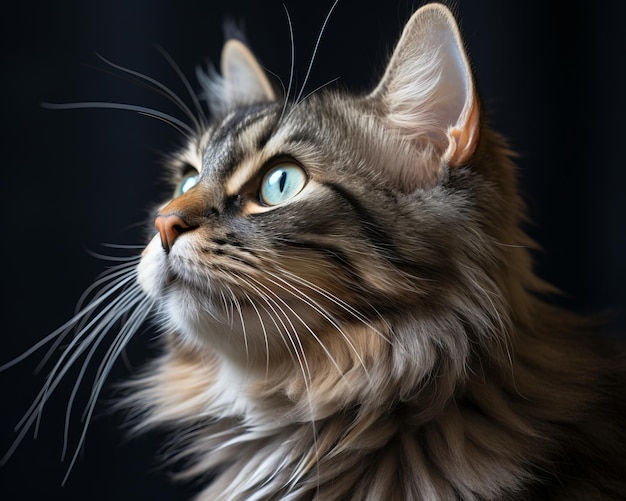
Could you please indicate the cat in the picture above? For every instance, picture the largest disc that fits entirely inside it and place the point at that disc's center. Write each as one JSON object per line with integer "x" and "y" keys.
{"x": 348, "y": 305}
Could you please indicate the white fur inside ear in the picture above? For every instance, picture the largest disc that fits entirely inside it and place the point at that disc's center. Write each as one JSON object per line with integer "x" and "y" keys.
{"x": 428, "y": 94}
{"x": 246, "y": 82}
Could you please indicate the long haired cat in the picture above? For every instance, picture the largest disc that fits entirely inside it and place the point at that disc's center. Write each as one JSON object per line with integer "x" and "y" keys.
{"x": 348, "y": 305}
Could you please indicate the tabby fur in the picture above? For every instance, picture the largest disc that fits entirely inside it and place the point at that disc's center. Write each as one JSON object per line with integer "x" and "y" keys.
{"x": 380, "y": 334}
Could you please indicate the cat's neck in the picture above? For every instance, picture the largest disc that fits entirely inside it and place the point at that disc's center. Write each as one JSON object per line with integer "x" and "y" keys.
{"x": 494, "y": 412}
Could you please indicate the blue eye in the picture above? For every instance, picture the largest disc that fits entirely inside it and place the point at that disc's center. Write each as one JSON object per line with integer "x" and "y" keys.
{"x": 188, "y": 182}
{"x": 282, "y": 183}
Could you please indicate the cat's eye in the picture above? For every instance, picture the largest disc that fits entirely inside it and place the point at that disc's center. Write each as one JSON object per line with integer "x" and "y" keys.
{"x": 281, "y": 183}
{"x": 189, "y": 181}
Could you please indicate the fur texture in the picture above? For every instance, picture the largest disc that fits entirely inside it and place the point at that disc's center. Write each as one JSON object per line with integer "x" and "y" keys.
{"x": 378, "y": 333}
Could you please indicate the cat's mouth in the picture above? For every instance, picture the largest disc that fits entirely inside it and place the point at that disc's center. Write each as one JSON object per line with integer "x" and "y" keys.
{"x": 161, "y": 274}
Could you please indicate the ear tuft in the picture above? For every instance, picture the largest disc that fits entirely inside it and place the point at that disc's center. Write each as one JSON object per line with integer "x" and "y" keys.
{"x": 243, "y": 82}
{"x": 427, "y": 94}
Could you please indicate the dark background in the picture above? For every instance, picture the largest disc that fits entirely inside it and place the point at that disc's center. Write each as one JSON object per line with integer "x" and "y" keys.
{"x": 72, "y": 180}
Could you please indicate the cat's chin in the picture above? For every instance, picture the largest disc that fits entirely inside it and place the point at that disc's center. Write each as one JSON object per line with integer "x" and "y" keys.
{"x": 152, "y": 270}
{"x": 193, "y": 313}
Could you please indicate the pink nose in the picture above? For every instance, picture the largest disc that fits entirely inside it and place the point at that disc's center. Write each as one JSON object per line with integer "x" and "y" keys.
{"x": 170, "y": 227}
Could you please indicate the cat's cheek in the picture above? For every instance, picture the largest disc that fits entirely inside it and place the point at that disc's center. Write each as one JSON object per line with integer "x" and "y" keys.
{"x": 151, "y": 268}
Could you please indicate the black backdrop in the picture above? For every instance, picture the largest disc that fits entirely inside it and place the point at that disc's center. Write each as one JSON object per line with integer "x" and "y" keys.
{"x": 72, "y": 180}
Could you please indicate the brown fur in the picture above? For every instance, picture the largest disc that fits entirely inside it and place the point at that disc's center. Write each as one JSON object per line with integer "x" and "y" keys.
{"x": 379, "y": 332}
{"x": 380, "y": 335}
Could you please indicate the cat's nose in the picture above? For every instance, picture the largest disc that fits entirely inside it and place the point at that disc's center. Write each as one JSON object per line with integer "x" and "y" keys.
{"x": 170, "y": 227}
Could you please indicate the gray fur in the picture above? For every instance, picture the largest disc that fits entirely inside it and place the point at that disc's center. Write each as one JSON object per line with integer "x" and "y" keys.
{"x": 380, "y": 335}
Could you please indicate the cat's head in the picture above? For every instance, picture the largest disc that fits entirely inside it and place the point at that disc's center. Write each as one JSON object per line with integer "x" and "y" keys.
{"x": 339, "y": 230}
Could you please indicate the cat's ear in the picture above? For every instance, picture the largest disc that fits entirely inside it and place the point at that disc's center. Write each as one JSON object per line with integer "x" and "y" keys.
{"x": 246, "y": 82}
{"x": 427, "y": 94}
{"x": 242, "y": 81}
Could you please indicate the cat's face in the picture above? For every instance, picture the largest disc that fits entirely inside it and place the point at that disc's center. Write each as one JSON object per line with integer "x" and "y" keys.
{"x": 292, "y": 223}
{"x": 274, "y": 229}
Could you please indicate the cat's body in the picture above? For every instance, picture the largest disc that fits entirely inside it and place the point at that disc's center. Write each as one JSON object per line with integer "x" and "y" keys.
{"x": 348, "y": 303}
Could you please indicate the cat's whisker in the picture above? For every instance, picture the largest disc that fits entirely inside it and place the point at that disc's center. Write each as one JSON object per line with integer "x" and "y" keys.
{"x": 132, "y": 298}
{"x": 128, "y": 330}
{"x": 356, "y": 314}
{"x": 317, "y": 89}
{"x": 252, "y": 303}
{"x": 61, "y": 331}
{"x": 119, "y": 259}
{"x": 302, "y": 322}
{"x": 278, "y": 313}
{"x": 124, "y": 246}
{"x": 243, "y": 324}
{"x": 315, "y": 49}
{"x": 119, "y": 276}
{"x": 232, "y": 301}
{"x": 126, "y": 269}
{"x": 294, "y": 347}
{"x": 299, "y": 353}
{"x": 328, "y": 295}
{"x": 200, "y": 112}
{"x": 174, "y": 122}
{"x": 139, "y": 310}
{"x": 70, "y": 354}
{"x": 159, "y": 87}
{"x": 225, "y": 304}
{"x": 292, "y": 65}
{"x": 135, "y": 299}
{"x": 77, "y": 348}
{"x": 297, "y": 293}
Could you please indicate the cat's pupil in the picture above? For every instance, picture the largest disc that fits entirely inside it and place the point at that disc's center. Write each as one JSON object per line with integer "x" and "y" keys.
{"x": 283, "y": 178}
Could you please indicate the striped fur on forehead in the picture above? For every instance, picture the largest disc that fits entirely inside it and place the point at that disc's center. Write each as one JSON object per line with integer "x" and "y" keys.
{"x": 240, "y": 134}
{"x": 332, "y": 133}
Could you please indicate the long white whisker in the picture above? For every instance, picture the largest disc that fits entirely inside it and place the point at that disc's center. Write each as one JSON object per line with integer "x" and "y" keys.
{"x": 317, "y": 89}
{"x": 301, "y": 320}
{"x": 123, "y": 246}
{"x": 108, "y": 276}
{"x": 291, "y": 65}
{"x": 138, "y": 316}
{"x": 120, "y": 259}
{"x": 63, "y": 329}
{"x": 130, "y": 327}
{"x": 317, "y": 44}
{"x": 335, "y": 300}
{"x": 306, "y": 373}
{"x": 73, "y": 351}
{"x": 243, "y": 323}
{"x": 132, "y": 299}
{"x": 297, "y": 350}
{"x": 293, "y": 290}
{"x": 79, "y": 345}
{"x": 276, "y": 315}
{"x": 194, "y": 97}
{"x": 265, "y": 338}
{"x": 166, "y": 91}
{"x": 80, "y": 318}
{"x": 177, "y": 124}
